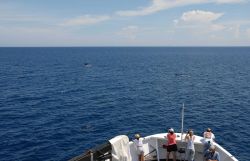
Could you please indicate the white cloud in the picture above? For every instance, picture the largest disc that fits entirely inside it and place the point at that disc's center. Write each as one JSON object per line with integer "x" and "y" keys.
{"x": 230, "y": 1}
{"x": 176, "y": 22}
{"x": 199, "y": 22}
{"x": 85, "y": 20}
{"x": 129, "y": 32}
{"x": 217, "y": 27}
{"x": 200, "y": 16}
{"x": 158, "y": 5}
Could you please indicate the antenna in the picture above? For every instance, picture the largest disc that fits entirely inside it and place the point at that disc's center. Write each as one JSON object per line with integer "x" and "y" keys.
{"x": 182, "y": 120}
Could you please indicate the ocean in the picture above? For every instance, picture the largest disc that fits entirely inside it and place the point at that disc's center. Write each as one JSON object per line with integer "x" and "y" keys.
{"x": 58, "y": 102}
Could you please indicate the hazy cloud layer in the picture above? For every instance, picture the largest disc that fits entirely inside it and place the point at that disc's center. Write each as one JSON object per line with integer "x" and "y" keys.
{"x": 158, "y": 5}
{"x": 129, "y": 32}
{"x": 85, "y": 20}
{"x": 208, "y": 22}
{"x": 200, "y": 16}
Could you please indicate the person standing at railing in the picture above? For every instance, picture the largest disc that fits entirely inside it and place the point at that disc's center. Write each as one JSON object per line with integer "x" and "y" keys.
{"x": 171, "y": 145}
{"x": 189, "y": 138}
{"x": 139, "y": 147}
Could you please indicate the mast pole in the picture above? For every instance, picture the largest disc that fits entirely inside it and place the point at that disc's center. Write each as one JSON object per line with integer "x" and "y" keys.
{"x": 182, "y": 121}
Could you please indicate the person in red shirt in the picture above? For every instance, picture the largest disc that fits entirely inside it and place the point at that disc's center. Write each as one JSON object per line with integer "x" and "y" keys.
{"x": 171, "y": 145}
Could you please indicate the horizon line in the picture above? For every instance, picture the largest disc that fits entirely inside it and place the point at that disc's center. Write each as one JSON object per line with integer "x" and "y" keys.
{"x": 115, "y": 46}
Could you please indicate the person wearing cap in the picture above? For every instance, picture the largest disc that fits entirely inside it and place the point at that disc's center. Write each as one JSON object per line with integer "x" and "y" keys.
{"x": 139, "y": 147}
{"x": 212, "y": 154}
{"x": 171, "y": 145}
{"x": 189, "y": 138}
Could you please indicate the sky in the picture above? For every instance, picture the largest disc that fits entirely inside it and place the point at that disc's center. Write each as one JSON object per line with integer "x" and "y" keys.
{"x": 124, "y": 23}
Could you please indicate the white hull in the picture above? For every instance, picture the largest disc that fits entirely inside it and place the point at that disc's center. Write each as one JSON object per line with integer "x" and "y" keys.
{"x": 121, "y": 149}
{"x": 155, "y": 142}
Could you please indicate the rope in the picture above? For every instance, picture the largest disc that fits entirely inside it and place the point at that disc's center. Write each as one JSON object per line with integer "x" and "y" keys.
{"x": 150, "y": 152}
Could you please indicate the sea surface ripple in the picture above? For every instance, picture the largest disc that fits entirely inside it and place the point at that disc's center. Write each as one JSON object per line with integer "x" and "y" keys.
{"x": 54, "y": 106}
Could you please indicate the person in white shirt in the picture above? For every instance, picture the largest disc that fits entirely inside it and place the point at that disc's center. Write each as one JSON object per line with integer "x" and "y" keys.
{"x": 208, "y": 134}
{"x": 189, "y": 138}
{"x": 139, "y": 146}
{"x": 209, "y": 139}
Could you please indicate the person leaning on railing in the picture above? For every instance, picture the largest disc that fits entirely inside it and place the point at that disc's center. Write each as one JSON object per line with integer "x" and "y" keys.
{"x": 139, "y": 147}
{"x": 171, "y": 145}
{"x": 209, "y": 139}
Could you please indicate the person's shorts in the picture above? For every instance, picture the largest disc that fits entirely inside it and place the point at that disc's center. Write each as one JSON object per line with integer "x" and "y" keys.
{"x": 140, "y": 150}
{"x": 172, "y": 148}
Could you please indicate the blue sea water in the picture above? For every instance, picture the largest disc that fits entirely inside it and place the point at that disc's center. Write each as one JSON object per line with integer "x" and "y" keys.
{"x": 54, "y": 107}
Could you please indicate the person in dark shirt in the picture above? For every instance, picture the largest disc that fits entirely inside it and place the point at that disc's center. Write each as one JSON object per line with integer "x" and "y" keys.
{"x": 212, "y": 154}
